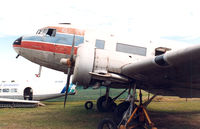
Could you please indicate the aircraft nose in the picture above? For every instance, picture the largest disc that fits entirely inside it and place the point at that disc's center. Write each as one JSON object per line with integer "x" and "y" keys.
{"x": 18, "y": 41}
{"x": 16, "y": 45}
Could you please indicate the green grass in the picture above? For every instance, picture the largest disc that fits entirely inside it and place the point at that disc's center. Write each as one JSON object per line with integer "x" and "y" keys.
{"x": 175, "y": 107}
{"x": 165, "y": 112}
{"x": 51, "y": 116}
{"x": 90, "y": 94}
{"x": 75, "y": 116}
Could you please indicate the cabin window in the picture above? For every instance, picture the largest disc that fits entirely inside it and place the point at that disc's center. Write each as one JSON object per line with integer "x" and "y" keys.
{"x": 13, "y": 90}
{"x": 6, "y": 90}
{"x": 131, "y": 49}
{"x": 100, "y": 44}
{"x": 51, "y": 32}
{"x": 161, "y": 50}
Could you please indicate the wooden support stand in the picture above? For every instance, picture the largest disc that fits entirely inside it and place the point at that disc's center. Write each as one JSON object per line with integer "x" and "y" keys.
{"x": 139, "y": 118}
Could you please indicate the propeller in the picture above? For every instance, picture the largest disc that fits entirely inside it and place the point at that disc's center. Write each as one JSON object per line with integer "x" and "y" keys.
{"x": 70, "y": 63}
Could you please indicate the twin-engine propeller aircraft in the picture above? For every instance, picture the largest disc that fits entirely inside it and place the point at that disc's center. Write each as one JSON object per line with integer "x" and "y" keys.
{"x": 103, "y": 60}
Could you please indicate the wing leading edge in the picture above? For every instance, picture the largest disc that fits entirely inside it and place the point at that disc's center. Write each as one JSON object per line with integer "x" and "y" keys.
{"x": 175, "y": 73}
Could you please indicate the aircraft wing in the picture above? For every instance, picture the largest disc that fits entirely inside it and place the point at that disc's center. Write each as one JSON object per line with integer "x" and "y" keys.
{"x": 6, "y": 102}
{"x": 175, "y": 73}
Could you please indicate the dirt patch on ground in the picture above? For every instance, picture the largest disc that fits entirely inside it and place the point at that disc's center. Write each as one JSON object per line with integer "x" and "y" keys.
{"x": 176, "y": 120}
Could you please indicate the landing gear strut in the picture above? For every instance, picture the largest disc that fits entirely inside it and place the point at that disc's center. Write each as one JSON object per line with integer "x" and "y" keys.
{"x": 106, "y": 103}
{"x": 133, "y": 117}
{"x": 122, "y": 108}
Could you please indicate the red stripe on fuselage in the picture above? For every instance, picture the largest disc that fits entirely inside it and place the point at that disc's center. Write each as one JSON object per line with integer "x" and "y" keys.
{"x": 50, "y": 47}
{"x": 14, "y": 45}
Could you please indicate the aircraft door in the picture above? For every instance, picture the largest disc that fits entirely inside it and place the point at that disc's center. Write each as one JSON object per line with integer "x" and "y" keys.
{"x": 28, "y": 93}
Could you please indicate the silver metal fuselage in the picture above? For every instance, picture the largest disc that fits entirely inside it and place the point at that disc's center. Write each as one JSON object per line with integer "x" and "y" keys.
{"x": 106, "y": 65}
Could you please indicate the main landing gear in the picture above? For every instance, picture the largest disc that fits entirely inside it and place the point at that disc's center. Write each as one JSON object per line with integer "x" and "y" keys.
{"x": 105, "y": 103}
{"x": 134, "y": 117}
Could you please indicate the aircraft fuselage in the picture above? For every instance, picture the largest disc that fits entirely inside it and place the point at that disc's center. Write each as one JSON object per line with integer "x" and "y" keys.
{"x": 34, "y": 90}
{"x": 99, "y": 58}
{"x": 47, "y": 49}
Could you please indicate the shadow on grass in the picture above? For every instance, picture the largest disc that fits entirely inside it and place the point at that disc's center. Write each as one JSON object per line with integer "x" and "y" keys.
{"x": 77, "y": 117}
{"x": 179, "y": 120}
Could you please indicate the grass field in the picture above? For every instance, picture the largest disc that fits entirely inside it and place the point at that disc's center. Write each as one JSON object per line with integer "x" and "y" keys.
{"x": 90, "y": 94}
{"x": 165, "y": 112}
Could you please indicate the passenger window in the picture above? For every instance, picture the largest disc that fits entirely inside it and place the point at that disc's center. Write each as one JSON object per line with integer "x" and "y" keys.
{"x": 131, "y": 49}
{"x": 100, "y": 44}
{"x": 5, "y": 90}
{"x": 13, "y": 90}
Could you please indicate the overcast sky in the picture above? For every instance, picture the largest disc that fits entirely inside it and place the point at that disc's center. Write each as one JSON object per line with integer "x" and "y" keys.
{"x": 146, "y": 18}
{"x": 142, "y": 19}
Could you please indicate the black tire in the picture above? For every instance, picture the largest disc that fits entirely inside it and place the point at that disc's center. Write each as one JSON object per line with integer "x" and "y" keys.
{"x": 88, "y": 105}
{"x": 105, "y": 108}
{"x": 107, "y": 124}
{"x": 119, "y": 111}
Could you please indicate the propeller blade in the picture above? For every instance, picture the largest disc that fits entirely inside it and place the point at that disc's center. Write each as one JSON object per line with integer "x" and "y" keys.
{"x": 67, "y": 85}
{"x": 72, "y": 50}
{"x": 69, "y": 70}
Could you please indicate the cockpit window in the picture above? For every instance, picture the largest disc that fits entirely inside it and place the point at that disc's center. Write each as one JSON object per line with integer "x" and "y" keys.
{"x": 51, "y": 32}
{"x": 47, "y": 31}
{"x": 39, "y": 31}
{"x": 44, "y": 31}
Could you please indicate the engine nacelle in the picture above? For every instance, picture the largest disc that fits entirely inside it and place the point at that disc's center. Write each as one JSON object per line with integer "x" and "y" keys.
{"x": 83, "y": 65}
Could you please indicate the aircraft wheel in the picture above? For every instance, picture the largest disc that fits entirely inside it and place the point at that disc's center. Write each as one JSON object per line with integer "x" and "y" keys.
{"x": 107, "y": 124}
{"x": 89, "y": 105}
{"x": 102, "y": 106}
{"x": 119, "y": 111}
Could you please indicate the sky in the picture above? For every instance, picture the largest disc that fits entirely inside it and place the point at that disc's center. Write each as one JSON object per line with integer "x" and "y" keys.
{"x": 176, "y": 20}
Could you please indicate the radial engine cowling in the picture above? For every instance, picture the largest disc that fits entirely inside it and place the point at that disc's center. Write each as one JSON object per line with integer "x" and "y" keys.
{"x": 83, "y": 65}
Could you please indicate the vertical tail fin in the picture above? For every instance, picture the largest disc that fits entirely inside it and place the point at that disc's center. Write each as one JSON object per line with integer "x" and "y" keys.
{"x": 71, "y": 90}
